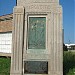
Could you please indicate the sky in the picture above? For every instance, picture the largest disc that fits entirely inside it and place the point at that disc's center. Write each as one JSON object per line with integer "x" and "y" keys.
{"x": 68, "y": 20}
{"x": 6, "y": 7}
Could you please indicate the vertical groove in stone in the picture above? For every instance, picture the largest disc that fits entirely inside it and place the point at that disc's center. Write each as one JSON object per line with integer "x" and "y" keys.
{"x": 19, "y": 39}
{"x": 61, "y": 44}
{"x": 17, "y": 32}
{"x": 25, "y": 35}
{"x": 59, "y": 40}
{"x": 48, "y": 33}
{"x": 46, "y": 39}
{"x": 19, "y": 53}
{"x": 52, "y": 51}
{"x": 21, "y": 42}
{"x": 55, "y": 42}
{"x": 58, "y": 45}
{"x": 54, "y": 45}
{"x": 14, "y": 41}
{"x": 15, "y": 44}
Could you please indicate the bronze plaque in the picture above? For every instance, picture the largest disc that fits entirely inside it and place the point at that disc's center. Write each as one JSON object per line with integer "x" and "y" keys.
{"x": 37, "y": 33}
{"x": 36, "y": 67}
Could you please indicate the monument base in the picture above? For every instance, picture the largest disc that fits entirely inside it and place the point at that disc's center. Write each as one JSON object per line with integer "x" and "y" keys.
{"x": 35, "y": 74}
{"x": 16, "y": 74}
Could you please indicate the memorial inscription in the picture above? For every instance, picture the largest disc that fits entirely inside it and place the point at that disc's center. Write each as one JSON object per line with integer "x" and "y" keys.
{"x": 36, "y": 67}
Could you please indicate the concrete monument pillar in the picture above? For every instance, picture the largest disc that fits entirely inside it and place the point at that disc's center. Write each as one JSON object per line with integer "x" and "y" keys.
{"x": 37, "y": 38}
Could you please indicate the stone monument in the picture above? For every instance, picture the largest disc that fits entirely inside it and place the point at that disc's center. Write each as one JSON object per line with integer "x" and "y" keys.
{"x": 37, "y": 46}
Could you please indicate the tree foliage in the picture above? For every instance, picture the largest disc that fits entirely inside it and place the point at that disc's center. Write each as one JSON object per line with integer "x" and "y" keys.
{"x": 69, "y": 63}
{"x": 65, "y": 47}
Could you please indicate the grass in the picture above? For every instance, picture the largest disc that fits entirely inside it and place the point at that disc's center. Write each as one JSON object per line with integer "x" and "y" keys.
{"x": 69, "y": 64}
{"x": 71, "y": 72}
{"x": 4, "y": 66}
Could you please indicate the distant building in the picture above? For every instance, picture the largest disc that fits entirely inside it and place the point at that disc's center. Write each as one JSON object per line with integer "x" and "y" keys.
{"x": 70, "y": 47}
{"x": 5, "y": 34}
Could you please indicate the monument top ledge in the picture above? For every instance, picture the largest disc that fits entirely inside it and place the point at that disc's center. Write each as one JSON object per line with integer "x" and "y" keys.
{"x": 19, "y": 2}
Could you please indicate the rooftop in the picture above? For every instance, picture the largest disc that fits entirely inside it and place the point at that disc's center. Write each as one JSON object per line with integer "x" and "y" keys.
{"x": 6, "y": 23}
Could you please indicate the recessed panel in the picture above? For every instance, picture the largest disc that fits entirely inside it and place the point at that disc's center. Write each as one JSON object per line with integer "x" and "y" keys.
{"x": 37, "y": 33}
{"x": 36, "y": 67}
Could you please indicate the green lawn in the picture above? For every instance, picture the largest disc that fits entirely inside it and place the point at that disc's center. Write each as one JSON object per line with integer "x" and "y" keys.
{"x": 69, "y": 64}
{"x": 4, "y": 66}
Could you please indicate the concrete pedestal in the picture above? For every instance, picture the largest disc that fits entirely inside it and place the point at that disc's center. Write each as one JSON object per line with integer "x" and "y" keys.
{"x": 53, "y": 53}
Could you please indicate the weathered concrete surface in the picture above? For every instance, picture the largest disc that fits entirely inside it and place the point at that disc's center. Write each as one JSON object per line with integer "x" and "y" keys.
{"x": 54, "y": 50}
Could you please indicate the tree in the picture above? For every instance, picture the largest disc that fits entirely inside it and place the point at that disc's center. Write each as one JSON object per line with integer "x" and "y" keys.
{"x": 65, "y": 47}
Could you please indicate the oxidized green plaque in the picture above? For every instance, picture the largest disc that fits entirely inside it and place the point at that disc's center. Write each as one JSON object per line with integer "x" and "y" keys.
{"x": 37, "y": 33}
